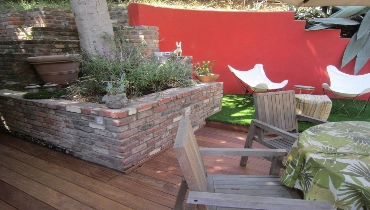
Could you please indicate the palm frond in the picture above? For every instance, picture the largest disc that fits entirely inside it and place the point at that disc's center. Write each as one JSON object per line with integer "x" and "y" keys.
{"x": 354, "y": 193}
{"x": 359, "y": 170}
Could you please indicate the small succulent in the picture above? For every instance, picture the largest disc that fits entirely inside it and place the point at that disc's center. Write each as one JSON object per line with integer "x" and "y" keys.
{"x": 118, "y": 86}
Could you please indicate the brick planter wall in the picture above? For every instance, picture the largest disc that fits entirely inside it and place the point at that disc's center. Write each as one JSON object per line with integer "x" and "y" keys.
{"x": 117, "y": 139}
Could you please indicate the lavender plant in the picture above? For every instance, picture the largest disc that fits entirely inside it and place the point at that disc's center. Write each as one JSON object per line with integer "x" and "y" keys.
{"x": 116, "y": 86}
{"x": 125, "y": 66}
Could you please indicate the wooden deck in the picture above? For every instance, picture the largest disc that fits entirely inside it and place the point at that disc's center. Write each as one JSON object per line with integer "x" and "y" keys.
{"x": 36, "y": 177}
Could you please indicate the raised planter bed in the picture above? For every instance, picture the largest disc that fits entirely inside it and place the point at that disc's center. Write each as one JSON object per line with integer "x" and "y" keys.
{"x": 115, "y": 138}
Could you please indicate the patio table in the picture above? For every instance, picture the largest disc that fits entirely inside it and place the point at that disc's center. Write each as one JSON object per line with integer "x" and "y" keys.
{"x": 330, "y": 162}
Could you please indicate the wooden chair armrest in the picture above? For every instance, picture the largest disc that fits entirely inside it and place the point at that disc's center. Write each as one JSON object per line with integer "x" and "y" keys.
{"x": 311, "y": 119}
{"x": 242, "y": 152}
{"x": 253, "y": 202}
{"x": 274, "y": 130}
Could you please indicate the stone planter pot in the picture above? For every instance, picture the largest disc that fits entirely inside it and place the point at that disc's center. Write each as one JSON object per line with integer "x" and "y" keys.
{"x": 58, "y": 69}
{"x": 117, "y": 101}
{"x": 208, "y": 78}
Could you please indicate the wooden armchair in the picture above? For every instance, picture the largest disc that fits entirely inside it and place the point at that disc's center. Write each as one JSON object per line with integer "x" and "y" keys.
{"x": 276, "y": 117}
{"x": 235, "y": 191}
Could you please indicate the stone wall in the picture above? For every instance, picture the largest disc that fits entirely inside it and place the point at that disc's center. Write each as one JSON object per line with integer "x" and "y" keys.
{"x": 117, "y": 139}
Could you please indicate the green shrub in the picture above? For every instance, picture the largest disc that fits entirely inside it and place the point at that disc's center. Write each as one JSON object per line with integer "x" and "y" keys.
{"x": 126, "y": 64}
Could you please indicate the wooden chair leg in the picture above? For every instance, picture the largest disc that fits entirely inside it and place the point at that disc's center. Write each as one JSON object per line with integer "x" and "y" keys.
{"x": 276, "y": 164}
{"x": 181, "y": 195}
{"x": 248, "y": 143}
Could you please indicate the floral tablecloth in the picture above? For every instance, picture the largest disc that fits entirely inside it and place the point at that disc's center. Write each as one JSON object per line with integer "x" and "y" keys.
{"x": 331, "y": 162}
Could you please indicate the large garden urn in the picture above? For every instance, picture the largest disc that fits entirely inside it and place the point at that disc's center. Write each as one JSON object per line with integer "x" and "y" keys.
{"x": 58, "y": 69}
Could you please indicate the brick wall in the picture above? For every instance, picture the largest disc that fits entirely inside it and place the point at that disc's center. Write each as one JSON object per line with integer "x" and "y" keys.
{"x": 137, "y": 34}
{"x": 17, "y": 25}
{"x": 10, "y": 21}
{"x": 54, "y": 33}
{"x": 119, "y": 16}
{"x": 15, "y": 71}
{"x": 117, "y": 139}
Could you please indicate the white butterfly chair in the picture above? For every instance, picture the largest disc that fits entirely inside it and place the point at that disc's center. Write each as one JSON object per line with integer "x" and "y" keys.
{"x": 347, "y": 86}
{"x": 256, "y": 80}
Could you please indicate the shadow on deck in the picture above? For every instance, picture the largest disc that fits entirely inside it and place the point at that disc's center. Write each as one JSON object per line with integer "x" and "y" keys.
{"x": 36, "y": 177}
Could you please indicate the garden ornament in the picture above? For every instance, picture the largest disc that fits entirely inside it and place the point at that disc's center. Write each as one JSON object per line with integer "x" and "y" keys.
{"x": 178, "y": 50}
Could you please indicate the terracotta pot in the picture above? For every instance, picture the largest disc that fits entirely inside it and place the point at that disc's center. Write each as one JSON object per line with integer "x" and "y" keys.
{"x": 208, "y": 78}
{"x": 58, "y": 69}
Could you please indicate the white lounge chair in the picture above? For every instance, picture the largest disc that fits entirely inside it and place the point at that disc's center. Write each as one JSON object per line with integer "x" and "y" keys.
{"x": 256, "y": 80}
{"x": 347, "y": 86}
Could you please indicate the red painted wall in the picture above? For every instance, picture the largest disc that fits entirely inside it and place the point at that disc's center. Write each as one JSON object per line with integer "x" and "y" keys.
{"x": 242, "y": 39}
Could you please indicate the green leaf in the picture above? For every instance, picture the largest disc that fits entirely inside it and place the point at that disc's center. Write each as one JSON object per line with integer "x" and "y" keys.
{"x": 363, "y": 56}
{"x": 354, "y": 193}
{"x": 350, "y": 12}
{"x": 353, "y": 48}
{"x": 318, "y": 27}
{"x": 336, "y": 21}
{"x": 365, "y": 26}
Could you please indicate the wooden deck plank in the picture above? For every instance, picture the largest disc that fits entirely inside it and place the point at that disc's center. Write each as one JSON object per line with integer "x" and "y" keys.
{"x": 39, "y": 191}
{"x": 80, "y": 194}
{"x": 5, "y": 206}
{"x": 165, "y": 165}
{"x": 13, "y": 196}
{"x": 161, "y": 175}
{"x": 151, "y": 182}
{"x": 77, "y": 179}
{"x": 89, "y": 169}
{"x": 154, "y": 185}
{"x": 214, "y": 164}
{"x": 147, "y": 193}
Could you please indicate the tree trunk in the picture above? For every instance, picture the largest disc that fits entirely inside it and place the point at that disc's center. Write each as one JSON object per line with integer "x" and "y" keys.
{"x": 93, "y": 22}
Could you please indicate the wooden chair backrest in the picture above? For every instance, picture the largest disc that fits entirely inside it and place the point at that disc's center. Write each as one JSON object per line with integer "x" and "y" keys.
{"x": 277, "y": 109}
{"x": 188, "y": 155}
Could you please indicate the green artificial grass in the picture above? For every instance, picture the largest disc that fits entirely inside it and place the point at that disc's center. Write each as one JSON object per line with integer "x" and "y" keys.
{"x": 43, "y": 94}
{"x": 237, "y": 110}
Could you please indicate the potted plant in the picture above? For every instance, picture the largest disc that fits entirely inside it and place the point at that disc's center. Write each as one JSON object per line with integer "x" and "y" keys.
{"x": 116, "y": 93}
{"x": 203, "y": 71}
